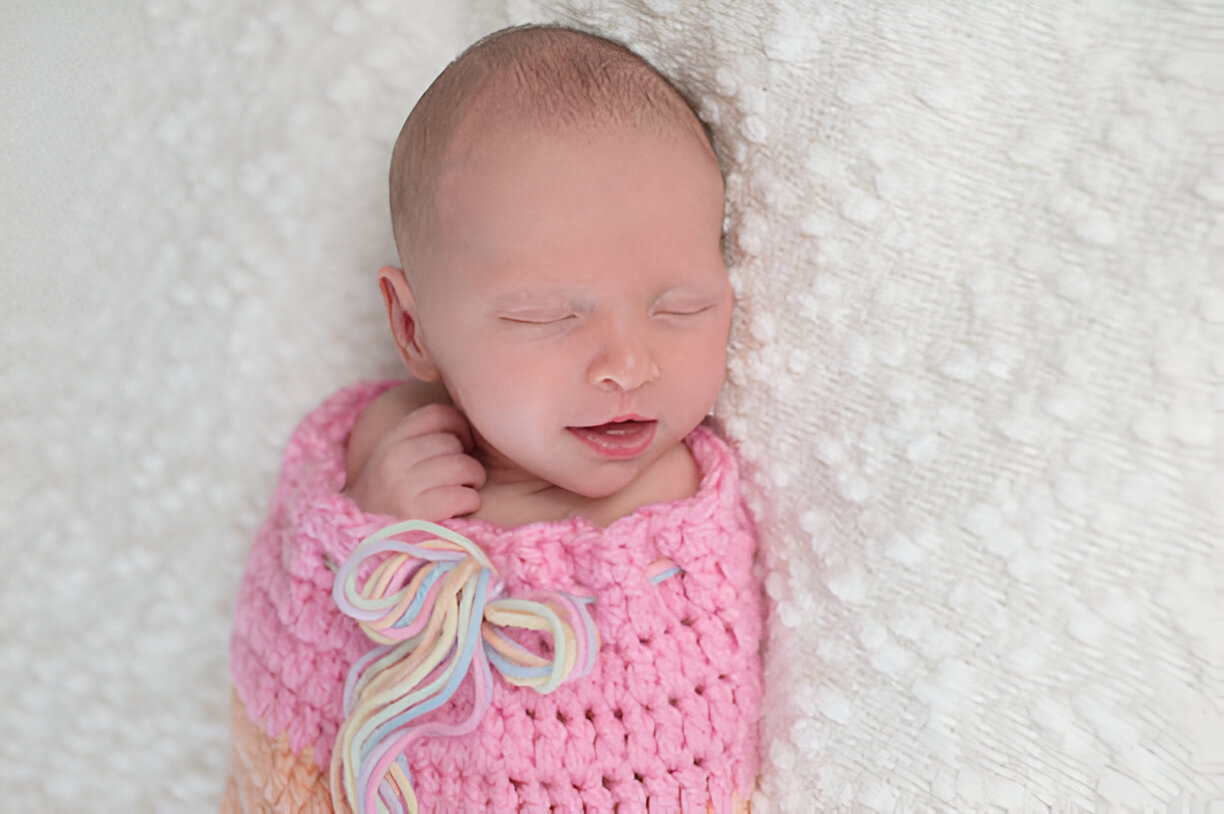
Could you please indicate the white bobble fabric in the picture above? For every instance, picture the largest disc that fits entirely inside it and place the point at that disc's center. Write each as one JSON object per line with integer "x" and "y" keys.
{"x": 977, "y": 373}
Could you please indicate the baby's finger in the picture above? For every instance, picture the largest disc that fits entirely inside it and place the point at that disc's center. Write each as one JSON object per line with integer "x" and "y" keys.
{"x": 449, "y": 470}
{"x": 434, "y": 418}
{"x": 405, "y": 453}
{"x": 446, "y": 502}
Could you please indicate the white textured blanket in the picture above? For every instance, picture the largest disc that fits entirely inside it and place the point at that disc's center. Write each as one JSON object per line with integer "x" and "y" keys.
{"x": 978, "y": 371}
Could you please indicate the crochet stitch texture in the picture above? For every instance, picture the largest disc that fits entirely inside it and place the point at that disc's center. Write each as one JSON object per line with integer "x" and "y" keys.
{"x": 668, "y": 713}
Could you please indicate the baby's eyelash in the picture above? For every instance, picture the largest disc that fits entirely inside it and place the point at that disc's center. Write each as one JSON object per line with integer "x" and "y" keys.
{"x": 684, "y": 312}
{"x": 525, "y": 320}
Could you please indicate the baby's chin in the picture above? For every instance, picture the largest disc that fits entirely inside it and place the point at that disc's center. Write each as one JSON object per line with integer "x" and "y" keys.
{"x": 597, "y": 489}
{"x": 609, "y": 479}
{"x": 593, "y": 483}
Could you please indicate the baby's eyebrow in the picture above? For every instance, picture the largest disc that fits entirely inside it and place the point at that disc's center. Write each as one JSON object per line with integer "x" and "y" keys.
{"x": 689, "y": 291}
{"x": 541, "y": 299}
{"x": 530, "y": 296}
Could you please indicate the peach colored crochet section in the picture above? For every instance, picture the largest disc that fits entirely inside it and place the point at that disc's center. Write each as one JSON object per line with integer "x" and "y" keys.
{"x": 267, "y": 776}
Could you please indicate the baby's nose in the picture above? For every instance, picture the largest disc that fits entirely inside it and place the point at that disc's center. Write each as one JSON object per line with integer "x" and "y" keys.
{"x": 624, "y": 362}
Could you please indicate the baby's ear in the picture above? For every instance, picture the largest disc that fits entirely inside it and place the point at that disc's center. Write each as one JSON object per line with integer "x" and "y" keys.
{"x": 401, "y": 311}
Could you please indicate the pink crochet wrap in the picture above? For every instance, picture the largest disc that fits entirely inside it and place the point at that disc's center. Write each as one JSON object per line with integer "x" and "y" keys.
{"x": 667, "y": 715}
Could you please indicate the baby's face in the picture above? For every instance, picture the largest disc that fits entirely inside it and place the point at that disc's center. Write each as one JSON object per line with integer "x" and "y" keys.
{"x": 575, "y": 300}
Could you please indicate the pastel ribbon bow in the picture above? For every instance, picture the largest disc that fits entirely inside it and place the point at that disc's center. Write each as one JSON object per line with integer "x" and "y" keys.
{"x": 425, "y": 605}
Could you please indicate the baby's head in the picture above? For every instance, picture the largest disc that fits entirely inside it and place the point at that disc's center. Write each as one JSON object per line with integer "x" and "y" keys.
{"x": 524, "y": 81}
{"x": 558, "y": 212}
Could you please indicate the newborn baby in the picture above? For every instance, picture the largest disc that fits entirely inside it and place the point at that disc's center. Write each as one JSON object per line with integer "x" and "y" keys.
{"x": 563, "y": 307}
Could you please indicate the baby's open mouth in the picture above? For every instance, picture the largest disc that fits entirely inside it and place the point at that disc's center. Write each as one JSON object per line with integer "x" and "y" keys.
{"x": 620, "y": 438}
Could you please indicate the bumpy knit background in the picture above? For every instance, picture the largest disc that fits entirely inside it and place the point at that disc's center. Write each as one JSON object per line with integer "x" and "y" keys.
{"x": 978, "y": 371}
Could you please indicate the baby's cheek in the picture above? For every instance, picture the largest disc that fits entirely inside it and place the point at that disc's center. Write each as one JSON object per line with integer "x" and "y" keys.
{"x": 699, "y": 377}
{"x": 510, "y": 419}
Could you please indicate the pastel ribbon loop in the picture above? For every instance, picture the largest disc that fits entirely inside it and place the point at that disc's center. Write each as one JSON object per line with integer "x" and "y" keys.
{"x": 426, "y": 605}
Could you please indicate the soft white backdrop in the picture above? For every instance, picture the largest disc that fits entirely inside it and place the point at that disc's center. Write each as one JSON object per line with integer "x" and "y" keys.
{"x": 977, "y": 376}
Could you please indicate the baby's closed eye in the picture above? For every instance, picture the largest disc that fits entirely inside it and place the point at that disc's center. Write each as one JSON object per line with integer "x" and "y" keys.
{"x": 682, "y": 310}
{"x": 538, "y": 318}
{"x": 687, "y": 301}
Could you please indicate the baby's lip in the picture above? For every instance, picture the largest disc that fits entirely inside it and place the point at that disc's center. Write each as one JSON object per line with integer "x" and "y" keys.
{"x": 625, "y": 436}
{"x": 620, "y": 419}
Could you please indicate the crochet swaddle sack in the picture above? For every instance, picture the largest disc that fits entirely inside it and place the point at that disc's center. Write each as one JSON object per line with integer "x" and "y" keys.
{"x": 667, "y": 712}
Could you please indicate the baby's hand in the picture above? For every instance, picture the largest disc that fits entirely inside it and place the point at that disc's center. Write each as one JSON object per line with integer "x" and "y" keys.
{"x": 417, "y": 468}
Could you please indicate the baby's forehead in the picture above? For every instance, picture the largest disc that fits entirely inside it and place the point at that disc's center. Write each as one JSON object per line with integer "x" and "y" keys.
{"x": 511, "y": 134}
